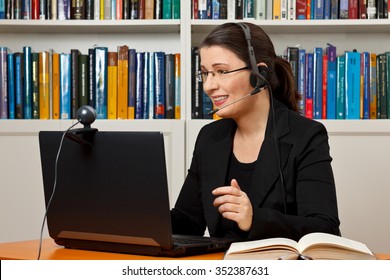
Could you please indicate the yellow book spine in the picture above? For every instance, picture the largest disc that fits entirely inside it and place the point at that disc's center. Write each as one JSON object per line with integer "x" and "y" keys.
{"x": 177, "y": 87}
{"x": 276, "y": 9}
{"x": 112, "y": 82}
{"x": 373, "y": 83}
{"x": 123, "y": 81}
{"x": 44, "y": 95}
{"x": 56, "y": 86}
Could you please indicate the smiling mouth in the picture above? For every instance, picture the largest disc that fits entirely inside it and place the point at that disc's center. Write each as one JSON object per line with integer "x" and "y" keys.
{"x": 220, "y": 99}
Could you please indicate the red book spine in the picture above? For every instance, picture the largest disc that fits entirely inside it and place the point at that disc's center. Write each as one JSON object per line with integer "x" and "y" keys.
{"x": 34, "y": 9}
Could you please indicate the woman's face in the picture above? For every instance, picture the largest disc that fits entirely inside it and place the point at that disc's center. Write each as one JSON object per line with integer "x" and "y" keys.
{"x": 224, "y": 88}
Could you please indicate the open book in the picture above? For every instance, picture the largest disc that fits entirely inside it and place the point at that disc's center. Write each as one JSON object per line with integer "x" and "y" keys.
{"x": 311, "y": 246}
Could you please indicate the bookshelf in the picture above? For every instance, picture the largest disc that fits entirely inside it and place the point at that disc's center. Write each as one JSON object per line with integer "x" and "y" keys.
{"x": 360, "y": 148}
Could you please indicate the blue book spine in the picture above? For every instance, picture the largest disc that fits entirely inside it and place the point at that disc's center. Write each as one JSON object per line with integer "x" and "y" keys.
{"x": 65, "y": 86}
{"x": 352, "y": 85}
{"x": 3, "y": 83}
{"x": 215, "y": 7}
{"x": 167, "y": 9}
{"x": 340, "y": 88}
{"x": 318, "y": 9}
{"x": 249, "y": 9}
{"x": 132, "y": 83}
{"x": 327, "y": 9}
{"x": 301, "y": 80}
{"x": 19, "y": 85}
{"x": 26, "y": 9}
{"x": 309, "y": 85}
{"x": 145, "y": 95}
{"x": 331, "y": 88}
{"x": 139, "y": 85}
{"x": 202, "y": 9}
{"x": 366, "y": 85}
{"x": 27, "y": 105}
{"x": 2, "y": 9}
{"x": 11, "y": 86}
{"x": 151, "y": 82}
{"x": 317, "y": 83}
{"x": 92, "y": 76}
{"x": 101, "y": 68}
{"x": 160, "y": 85}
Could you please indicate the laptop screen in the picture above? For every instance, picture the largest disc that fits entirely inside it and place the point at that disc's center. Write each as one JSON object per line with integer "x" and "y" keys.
{"x": 114, "y": 190}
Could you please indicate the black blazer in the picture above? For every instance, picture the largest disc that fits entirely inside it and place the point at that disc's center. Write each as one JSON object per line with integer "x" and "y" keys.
{"x": 305, "y": 203}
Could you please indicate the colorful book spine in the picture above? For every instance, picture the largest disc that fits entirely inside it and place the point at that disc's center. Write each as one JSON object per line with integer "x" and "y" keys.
{"x": 151, "y": 82}
{"x": 132, "y": 83}
{"x": 56, "y": 86}
{"x": 139, "y": 92}
{"x": 169, "y": 86}
{"x": 101, "y": 61}
{"x": 27, "y": 83}
{"x": 3, "y": 83}
{"x": 340, "y": 89}
{"x": 160, "y": 85}
{"x": 309, "y": 85}
{"x": 215, "y": 9}
{"x": 365, "y": 85}
{"x": 301, "y": 80}
{"x": 352, "y": 85}
{"x": 331, "y": 85}
{"x": 167, "y": 9}
{"x": 65, "y": 85}
{"x": 11, "y": 85}
{"x": 317, "y": 83}
{"x": 324, "y": 85}
{"x": 123, "y": 81}
{"x": 83, "y": 79}
{"x": 92, "y": 77}
{"x": 145, "y": 95}
{"x": 373, "y": 92}
{"x": 177, "y": 86}
{"x": 19, "y": 85}
{"x": 112, "y": 85}
{"x": 301, "y": 9}
{"x": 35, "y": 85}
{"x": 44, "y": 94}
{"x": 74, "y": 54}
{"x": 175, "y": 9}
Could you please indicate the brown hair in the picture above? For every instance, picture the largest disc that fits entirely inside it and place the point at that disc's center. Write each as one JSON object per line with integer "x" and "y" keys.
{"x": 280, "y": 77}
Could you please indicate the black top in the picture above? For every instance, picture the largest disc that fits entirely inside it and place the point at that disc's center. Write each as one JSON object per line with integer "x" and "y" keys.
{"x": 305, "y": 203}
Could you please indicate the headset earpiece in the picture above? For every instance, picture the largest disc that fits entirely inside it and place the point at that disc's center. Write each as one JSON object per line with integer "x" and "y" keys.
{"x": 258, "y": 78}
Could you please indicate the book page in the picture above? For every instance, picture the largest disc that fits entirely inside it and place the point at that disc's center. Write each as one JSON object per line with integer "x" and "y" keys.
{"x": 318, "y": 239}
{"x": 262, "y": 245}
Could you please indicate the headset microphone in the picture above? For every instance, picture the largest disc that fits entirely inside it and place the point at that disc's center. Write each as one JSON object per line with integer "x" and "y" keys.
{"x": 256, "y": 90}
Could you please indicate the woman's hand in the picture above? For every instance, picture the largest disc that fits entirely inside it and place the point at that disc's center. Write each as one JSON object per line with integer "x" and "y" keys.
{"x": 234, "y": 205}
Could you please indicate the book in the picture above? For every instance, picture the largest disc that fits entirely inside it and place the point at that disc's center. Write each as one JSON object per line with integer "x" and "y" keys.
{"x": 309, "y": 85}
{"x": 101, "y": 64}
{"x": 65, "y": 85}
{"x": 27, "y": 83}
{"x": 159, "y": 104}
{"x": 112, "y": 85}
{"x": 177, "y": 87}
{"x": 35, "y": 84}
{"x": 83, "y": 79}
{"x": 19, "y": 85}
{"x": 340, "y": 87}
{"x": 56, "y": 86}
{"x": 169, "y": 86}
{"x": 373, "y": 93}
{"x": 139, "y": 90}
{"x": 352, "y": 85}
{"x": 311, "y": 246}
{"x": 132, "y": 83}
{"x": 11, "y": 85}
{"x": 331, "y": 82}
{"x": 3, "y": 83}
{"x": 317, "y": 82}
{"x": 123, "y": 80}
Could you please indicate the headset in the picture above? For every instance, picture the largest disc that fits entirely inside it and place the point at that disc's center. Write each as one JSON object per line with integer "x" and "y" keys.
{"x": 260, "y": 74}
{"x": 259, "y": 79}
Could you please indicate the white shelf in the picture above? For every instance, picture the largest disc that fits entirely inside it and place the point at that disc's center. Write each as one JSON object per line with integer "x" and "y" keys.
{"x": 89, "y": 26}
{"x": 304, "y": 26}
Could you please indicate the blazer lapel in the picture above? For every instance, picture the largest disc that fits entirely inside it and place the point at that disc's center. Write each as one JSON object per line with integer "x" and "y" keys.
{"x": 215, "y": 168}
{"x": 267, "y": 167}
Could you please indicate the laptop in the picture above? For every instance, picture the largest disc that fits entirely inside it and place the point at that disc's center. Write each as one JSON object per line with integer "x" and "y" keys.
{"x": 112, "y": 195}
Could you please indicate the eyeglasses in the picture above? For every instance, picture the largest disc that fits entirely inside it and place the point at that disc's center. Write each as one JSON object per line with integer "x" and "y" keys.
{"x": 201, "y": 76}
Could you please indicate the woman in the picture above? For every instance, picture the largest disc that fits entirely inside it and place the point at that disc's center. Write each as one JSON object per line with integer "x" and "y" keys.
{"x": 263, "y": 170}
